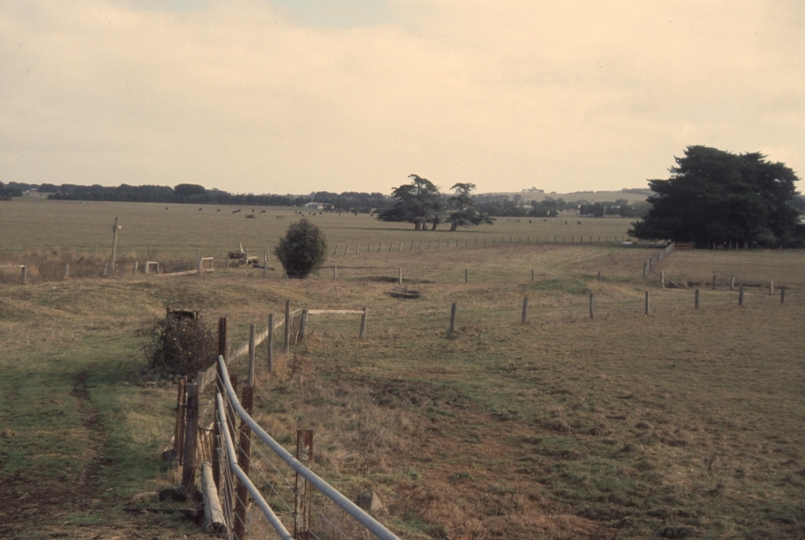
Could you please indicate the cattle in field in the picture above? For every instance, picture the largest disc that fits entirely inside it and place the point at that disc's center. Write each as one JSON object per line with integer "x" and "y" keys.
{"x": 236, "y": 211}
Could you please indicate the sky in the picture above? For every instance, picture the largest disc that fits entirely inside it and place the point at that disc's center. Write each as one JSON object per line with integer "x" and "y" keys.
{"x": 296, "y": 96}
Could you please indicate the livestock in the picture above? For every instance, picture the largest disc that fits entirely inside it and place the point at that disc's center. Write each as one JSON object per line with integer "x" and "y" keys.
{"x": 236, "y": 211}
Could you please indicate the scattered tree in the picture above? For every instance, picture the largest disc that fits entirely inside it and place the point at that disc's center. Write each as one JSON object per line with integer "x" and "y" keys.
{"x": 418, "y": 202}
{"x": 713, "y": 197}
{"x": 465, "y": 212}
{"x": 302, "y": 249}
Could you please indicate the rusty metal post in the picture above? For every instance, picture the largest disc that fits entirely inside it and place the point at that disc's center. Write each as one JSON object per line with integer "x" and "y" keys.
{"x": 304, "y": 453}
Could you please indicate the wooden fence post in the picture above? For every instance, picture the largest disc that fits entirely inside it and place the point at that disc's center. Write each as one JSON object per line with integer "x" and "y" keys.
{"x": 303, "y": 326}
{"x": 714, "y": 276}
{"x": 219, "y": 386}
{"x": 115, "y": 228}
{"x": 287, "y": 347}
{"x": 696, "y": 299}
{"x": 741, "y": 296}
{"x": 532, "y": 276}
{"x": 270, "y": 344}
{"x": 244, "y": 457}
{"x": 466, "y": 276}
{"x": 592, "y": 314}
{"x": 191, "y": 436}
{"x": 525, "y": 310}
{"x": 362, "y": 334}
{"x": 782, "y": 294}
{"x": 399, "y": 278}
{"x": 662, "y": 279}
{"x": 771, "y": 288}
{"x": 67, "y": 271}
{"x": 453, "y": 318}
{"x": 252, "y": 331}
{"x": 178, "y": 430}
{"x": 304, "y": 453}
{"x": 648, "y": 302}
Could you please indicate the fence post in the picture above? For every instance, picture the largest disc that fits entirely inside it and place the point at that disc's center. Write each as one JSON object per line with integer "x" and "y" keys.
{"x": 771, "y": 288}
{"x": 335, "y": 271}
{"x": 191, "y": 434}
{"x": 287, "y": 347}
{"x": 303, "y": 326}
{"x": 270, "y": 343}
{"x": 696, "y": 299}
{"x": 599, "y": 275}
{"x": 252, "y": 330}
{"x": 399, "y": 279}
{"x": 741, "y": 296}
{"x": 136, "y": 266}
{"x": 648, "y": 302}
{"x": 362, "y": 334}
{"x": 732, "y": 283}
{"x": 216, "y": 435}
{"x": 178, "y": 430}
{"x": 115, "y": 228}
{"x": 714, "y": 278}
{"x": 244, "y": 456}
{"x": 782, "y": 294}
{"x": 335, "y": 251}
{"x": 525, "y": 310}
{"x": 67, "y": 273}
{"x": 304, "y": 453}
{"x": 453, "y": 318}
{"x": 198, "y": 266}
{"x": 592, "y": 313}
{"x": 662, "y": 279}
{"x": 532, "y": 276}
{"x": 466, "y": 276}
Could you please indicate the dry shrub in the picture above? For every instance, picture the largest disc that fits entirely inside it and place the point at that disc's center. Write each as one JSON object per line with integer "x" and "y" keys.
{"x": 179, "y": 345}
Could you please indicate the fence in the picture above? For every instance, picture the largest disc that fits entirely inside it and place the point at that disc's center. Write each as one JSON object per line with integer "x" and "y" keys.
{"x": 657, "y": 258}
{"x": 231, "y": 469}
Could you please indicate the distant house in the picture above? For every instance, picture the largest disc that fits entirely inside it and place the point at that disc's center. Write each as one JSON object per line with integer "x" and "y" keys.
{"x": 315, "y": 205}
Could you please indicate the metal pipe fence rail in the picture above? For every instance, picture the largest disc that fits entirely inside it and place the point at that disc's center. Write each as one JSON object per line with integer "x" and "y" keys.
{"x": 280, "y": 502}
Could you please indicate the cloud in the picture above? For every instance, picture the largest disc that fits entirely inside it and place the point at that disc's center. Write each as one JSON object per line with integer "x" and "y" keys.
{"x": 250, "y": 97}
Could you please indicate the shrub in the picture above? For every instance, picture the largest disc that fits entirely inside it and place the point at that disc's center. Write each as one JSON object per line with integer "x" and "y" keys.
{"x": 179, "y": 345}
{"x": 302, "y": 249}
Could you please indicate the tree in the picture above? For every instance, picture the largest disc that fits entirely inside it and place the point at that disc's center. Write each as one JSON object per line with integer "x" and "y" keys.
{"x": 418, "y": 202}
{"x": 713, "y": 197}
{"x": 465, "y": 212}
{"x": 188, "y": 190}
{"x": 302, "y": 249}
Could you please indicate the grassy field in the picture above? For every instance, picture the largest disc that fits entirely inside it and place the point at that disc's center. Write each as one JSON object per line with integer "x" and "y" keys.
{"x": 683, "y": 423}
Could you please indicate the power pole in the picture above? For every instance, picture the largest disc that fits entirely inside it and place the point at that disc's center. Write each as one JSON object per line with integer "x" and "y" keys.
{"x": 115, "y": 228}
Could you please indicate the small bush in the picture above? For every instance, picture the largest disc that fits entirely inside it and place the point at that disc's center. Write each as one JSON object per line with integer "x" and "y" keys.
{"x": 302, "y": 249}
{"x": 179, "y": 345}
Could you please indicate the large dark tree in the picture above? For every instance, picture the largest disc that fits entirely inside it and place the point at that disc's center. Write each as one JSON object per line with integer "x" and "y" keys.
{"x": 465, "y": 211}
{"x": 418, "y": 202}
{"x": 713, "y": 197}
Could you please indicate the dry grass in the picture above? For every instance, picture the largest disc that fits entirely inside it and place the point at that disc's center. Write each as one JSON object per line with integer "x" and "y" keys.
{"x": 682, "y": 423}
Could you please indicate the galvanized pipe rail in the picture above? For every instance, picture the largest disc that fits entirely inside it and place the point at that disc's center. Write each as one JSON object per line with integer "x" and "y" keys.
{"x": 316, "y": 481}
{"x": 244, "y": 478}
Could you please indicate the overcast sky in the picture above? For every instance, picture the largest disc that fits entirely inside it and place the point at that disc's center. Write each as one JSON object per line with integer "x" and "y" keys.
{"x": 295, "y": 96}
